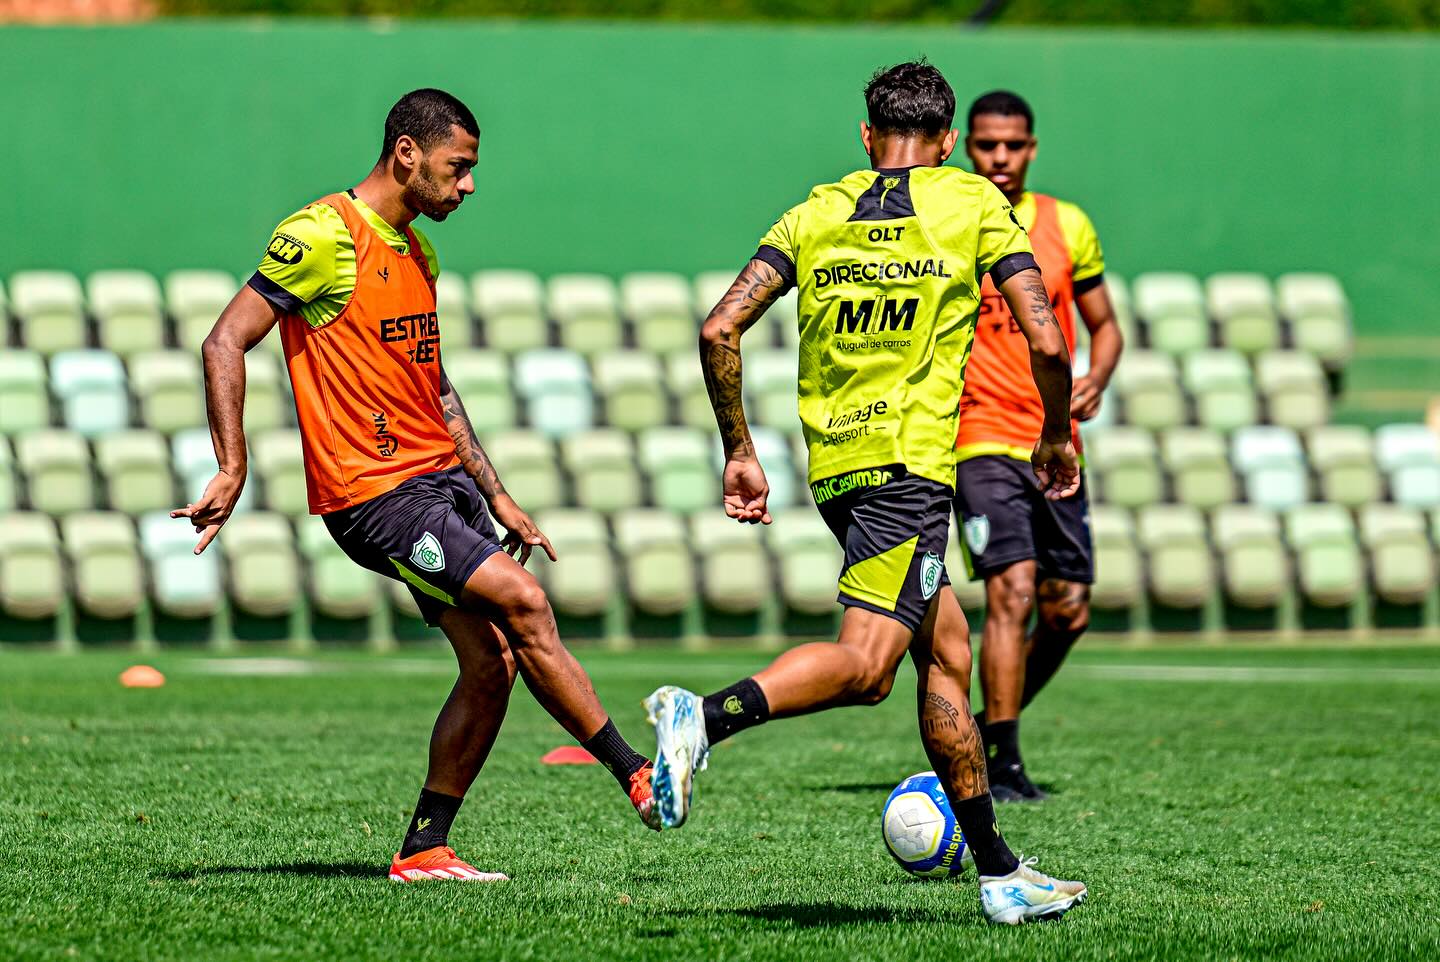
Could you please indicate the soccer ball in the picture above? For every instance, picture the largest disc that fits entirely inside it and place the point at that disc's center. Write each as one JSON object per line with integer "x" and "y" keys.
{"x": 920, "y": 830}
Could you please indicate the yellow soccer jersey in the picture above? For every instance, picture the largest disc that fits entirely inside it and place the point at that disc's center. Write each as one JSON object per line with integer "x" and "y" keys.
{"x": 888, "y": 265}
{"x": 309, "y": 266}
{"x": 1080, "y": 237}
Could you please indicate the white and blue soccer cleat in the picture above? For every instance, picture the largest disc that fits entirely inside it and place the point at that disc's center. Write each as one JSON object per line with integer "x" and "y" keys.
{"x": 681, "y": 750}
{"x": 1026, "y": 895}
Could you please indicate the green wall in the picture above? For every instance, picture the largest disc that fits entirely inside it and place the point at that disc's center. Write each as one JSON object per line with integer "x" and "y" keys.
{"x": 619, "y": 147}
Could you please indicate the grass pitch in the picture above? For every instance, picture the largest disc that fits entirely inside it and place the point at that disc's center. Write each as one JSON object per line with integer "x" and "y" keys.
{"x": 1222, "y": 803}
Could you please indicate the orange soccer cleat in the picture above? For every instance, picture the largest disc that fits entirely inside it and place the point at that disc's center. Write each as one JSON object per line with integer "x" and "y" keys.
{"x": 439, "y": 863}
{"x": 643, "y": 798}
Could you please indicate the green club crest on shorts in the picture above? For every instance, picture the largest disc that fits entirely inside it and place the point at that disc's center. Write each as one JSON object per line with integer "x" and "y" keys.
{"x": 427, "y": 553}
{"x": 931, "y": 568}
{"x": 977, "y": 533}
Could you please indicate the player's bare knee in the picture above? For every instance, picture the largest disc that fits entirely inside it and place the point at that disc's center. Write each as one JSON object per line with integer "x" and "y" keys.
{"x": 1010, "y": 595}
{"x": 527, "y": 610}
{"x": 1066, "y": 612}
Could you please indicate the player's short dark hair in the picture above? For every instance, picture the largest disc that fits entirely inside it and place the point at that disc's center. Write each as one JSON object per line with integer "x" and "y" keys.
{"x": 1006, "y": 103}
{"x": 910, "y": 98}
{"x": 426, "y": 115}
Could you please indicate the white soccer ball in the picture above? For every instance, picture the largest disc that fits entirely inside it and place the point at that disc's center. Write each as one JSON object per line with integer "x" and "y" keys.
{"x": 920, "y": 829}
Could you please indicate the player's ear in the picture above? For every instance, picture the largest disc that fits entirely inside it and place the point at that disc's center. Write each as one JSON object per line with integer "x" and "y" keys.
{"x": 947, "y": 146}
{"x": 407, "y": 153}
{"x": 865, "y": 135}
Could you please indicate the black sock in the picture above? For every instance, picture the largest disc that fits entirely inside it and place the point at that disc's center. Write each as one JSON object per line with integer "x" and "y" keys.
{"x": 980, "y": 723}
{"x": 1002, "y": 744}
{"x": 431, "y": 825}
{"x": 734, "y": 709}
{"x": 615, "y": 753}
{"x": 976, "y": 817}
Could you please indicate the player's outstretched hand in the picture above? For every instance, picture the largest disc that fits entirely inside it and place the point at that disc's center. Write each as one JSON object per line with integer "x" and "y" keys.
{"x": 1085, "y": 398}
{"x": 746, "y": 491}
{"x": 214, "y": 507}
{"x": 522, "y": 537}
{"x": 1056, "y": 468}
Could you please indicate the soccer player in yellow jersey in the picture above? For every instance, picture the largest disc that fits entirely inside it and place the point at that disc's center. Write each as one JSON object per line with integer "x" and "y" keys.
{"x": 392, "y": 463}
{"x": 888, "y": 262}
{"x": 1024, "y": 546}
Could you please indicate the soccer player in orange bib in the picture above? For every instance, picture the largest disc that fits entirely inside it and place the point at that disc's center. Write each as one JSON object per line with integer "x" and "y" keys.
{"x": 1024, "y": 545}
{"x": 392, "y": 463}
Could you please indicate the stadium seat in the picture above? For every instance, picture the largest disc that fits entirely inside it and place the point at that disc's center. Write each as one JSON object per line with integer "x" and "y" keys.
{"x": 773, "y": 450}
{"x": 1270, "y": 460}
{"x": 103, "y": 556}
{"x": 527, "y": 465}
{"x": 452, "y": 310}
{"x": 1200, "y": 472}
{"x": 770, "y": 377}
{"x": 1410, "y": 456}
{"x": 1124, "y": 459}
{"x": 1416, "y": 485}
{"x": 709, "y": 288}
{"x": 135, "y": 468}
{"x": 1119, "y": 578}
{"x": 184, "y": 584}
{"x": 660, "y": 311}
{"x": 735, "y": 572}
{"x": 128, "y": 314}
{"x": 267, "y": 397}
{"x": 677, "y": 460}
{"x": 192, "y": 455}
{"x": 90, "y": 386}
{"x": 24, "y": 399}
{"x": 586, "y": 309}
{"x": 9, "y": 479}
{"x": 339, "y": 588}
{"x": 582, "y": 583}
{"x": 170, "y": 390}
{"x": 1319, "y": 316}
{"x": 556, "y": 388}
{"x": 1254, "y": 565}
{"x": 510, "y": 305}
{"x": 1172, "y": 306}
{"x": 1244, "y": 307}
{"x": 1342, "y": 458}
{"x": 1219, "y": 380}
{"x": 1181, "y": 568}
{"x": 56, "y": 467}
{"x": 482, "y": 378}
{"x": 686, "y": 382}
{"x": 1402, "y": 561}
{"x": 810, "y": 560}
{"x": 631, "y": 384}
{"x": 1149, "y": 385}
{"x": 658, "y": 566}
{"x": 264, "y": 569}
{"x": 50, "y": 310}
{"x": 601, "y": 464}
{"x": 1330, "y": 567}
{"x": 1120, "y": 299}
{"x": 1294, "y": 388}
{"x": 195, "y": 300}
{"x": 32, "y": 577}
{"x": 278, "y": 464}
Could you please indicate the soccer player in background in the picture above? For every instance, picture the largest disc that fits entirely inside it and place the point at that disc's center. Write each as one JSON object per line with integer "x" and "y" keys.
{"x": 888, "y": 264}
{"x": 392, "y": 463}
{"x": 1033, "y": 552}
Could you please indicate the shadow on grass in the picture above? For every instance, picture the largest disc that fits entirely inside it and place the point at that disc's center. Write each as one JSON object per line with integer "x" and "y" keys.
{"x": 860, "y": 788}
{"x": 822, "y": 915}
{"x": 302, "y": 869}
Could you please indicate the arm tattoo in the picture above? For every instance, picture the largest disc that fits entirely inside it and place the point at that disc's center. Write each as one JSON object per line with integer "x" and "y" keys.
{"x": 467, "y": 446}
{"x": 953, "y": 743}
{"x": 1040, "y": 309}
{"x": 757, "y": 287}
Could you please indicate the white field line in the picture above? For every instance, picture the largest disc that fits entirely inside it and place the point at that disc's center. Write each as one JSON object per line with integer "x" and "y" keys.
{"x": 1265, "y": 674}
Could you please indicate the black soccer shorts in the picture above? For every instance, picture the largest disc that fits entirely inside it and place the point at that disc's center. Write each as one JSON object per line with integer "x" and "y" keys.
{"x": 893, "y": 527}
{"x": 1004, "y": 518}
{"x": 431, "y": 531}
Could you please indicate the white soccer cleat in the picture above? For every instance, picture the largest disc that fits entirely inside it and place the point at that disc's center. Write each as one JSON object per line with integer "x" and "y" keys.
{"x": 681, "y": 750}
{"x": 1027, "y": 895}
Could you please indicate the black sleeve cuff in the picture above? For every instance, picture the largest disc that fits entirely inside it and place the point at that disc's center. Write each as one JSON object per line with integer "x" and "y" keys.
{"x": 284, "y": 301}
{"x": 783, "y": 265}
{"x": 1010, "y": 265}
{"x": 1088, "y": 284}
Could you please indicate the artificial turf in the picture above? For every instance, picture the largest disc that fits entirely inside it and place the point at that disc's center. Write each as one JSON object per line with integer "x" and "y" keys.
{"x": 1221, "y": 803}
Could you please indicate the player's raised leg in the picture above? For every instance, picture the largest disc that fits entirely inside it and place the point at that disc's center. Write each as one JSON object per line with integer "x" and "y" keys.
{"x": 502, "y": 588}
{"x": 462, "y": 738}
{"x": 1011, "y": 892}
